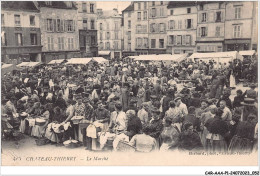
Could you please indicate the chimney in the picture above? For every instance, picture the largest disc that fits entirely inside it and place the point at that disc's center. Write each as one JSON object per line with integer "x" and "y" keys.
{"x": 115, "y": 10}
{"x": 99, "y": 11}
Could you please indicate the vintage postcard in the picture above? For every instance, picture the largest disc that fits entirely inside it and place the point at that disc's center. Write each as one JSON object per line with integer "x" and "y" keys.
{"x": 129, "y": 83}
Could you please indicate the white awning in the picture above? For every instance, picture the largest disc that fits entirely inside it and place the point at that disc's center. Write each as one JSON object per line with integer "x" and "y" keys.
{"x": 28, "y": 64}
{"x": 221, "y": 55}
{"x": 78, "y": 61}
{"x": 247, "y": 53}
{"x": 103, "y": 53}
{"x": 100, "y": 60}
{"x": 58, "y": 61}
{"x": 6, "y": 66}
{"x": 162, "y": 57}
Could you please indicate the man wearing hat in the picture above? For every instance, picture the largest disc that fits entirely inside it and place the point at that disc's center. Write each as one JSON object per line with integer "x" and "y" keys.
{"x": 80, "y": 89}
{"x": 251, "y": 93}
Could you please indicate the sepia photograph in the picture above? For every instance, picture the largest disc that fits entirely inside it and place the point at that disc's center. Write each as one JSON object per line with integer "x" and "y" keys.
{"x": 129, "y": 83}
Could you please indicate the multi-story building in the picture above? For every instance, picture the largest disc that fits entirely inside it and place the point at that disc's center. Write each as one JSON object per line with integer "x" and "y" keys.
{"x": 59, "y": 30}
{"x": 140, "y": 27}
{"x": 20, "y": 32}
{"x": 128, "y": 31}
{"x": 211, "y": 26}
{"x": 181, "y": 27}
{"x": 241, "y": 26}
{"x": 145, "y": 27}
{"x": 109, "y": 26}
{"x": 87, "y": 25}
{"x": 157, "y": 27}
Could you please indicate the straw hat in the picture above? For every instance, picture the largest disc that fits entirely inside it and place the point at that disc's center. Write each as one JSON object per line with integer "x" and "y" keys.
{"x": 248, "y": 102}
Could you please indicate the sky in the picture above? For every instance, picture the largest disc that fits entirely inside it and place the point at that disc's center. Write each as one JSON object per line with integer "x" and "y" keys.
{"x": 109, "y": 5}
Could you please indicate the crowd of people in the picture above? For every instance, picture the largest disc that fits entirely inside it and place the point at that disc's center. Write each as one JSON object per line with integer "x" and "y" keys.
{"x": 150, "y": 106}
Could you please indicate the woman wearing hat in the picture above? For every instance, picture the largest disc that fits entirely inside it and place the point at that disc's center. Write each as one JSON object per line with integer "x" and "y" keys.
{"x": 189, "y": 139}
{"x": 169, "y": 136}
{"x": 243, "y": 140}
{"x": 217, "y": 128}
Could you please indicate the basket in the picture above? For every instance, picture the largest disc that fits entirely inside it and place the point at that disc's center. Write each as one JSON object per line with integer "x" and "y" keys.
{"x": 124, "y": 147}
{"x": 40, "y": 123}
{"x": 41, "y": 141}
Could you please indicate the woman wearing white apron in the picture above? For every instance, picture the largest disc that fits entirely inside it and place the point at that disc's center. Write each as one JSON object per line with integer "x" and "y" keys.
{"x": 232, "y": 81}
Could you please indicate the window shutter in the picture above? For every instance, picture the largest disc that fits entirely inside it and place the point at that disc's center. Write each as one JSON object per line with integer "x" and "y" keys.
{"x": 206, "y": 31}
{"x": 74, "y": 25}
{"x": 173, "y": 24}
{"x": 65, "y": 25}
{"x": 168, "y": 38}
{"x": 150, "y": 13}
{"x": 222, "y": 16}
{"x": 215, "y": 16}
{"x": 54, "y": 25}
{"x": 191, "y": 23}
{"x": 199, "y": 32}
{"x": 185, "y": 23}
{"x": 155, "y": 12}
{"x": 164, "y": 27}
{"x": 174, "y": 40}
{"x": 169, "y": 25}
{"x": 61, "y": 25}
{"x": 45, "y": 25}
{"x": 207, "y": 17}
{"x": 240, "y": 33}
{"x": 180, "y": 24}
{"x": 200, "y": 17}
{"x": 190, "y": 40}
{"x": 57, "y": 27}
{"x": 222, "y": 32}
{"x": 183, "y": 40}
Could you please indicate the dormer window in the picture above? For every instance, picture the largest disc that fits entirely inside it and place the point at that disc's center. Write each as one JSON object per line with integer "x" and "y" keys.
{"x": 69, "y": 4}
{"x": 48, "y": 2}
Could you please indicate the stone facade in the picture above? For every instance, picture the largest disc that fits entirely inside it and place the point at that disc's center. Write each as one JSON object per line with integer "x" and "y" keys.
{"x": 57, "y": 43}
{"x": 87, "y": 25}
{"x": 181, "y": 28}
{"x": 239, "y": 19}
{"x": 110, "y": 32}
{"x": 210, "y": 29}
{"x": 20, "y": 33}
{"x": 128, "y": 31}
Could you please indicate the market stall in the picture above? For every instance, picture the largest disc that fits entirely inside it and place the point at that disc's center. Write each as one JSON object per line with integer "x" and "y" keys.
{"x": 7, "y": 68}
{"x": 100, "y": 60}
{"x": 29, "y": 64}
{"x": 78, "y": 61}
{"x": 58, "y": 61}
{"x": 165, "y": 58}
{"x": 219, "y": 57}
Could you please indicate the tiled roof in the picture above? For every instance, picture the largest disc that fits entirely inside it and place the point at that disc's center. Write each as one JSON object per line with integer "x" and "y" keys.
{"x": 109, "y": 13}
{"x": 18, "y": 5}
{"x": 129, "y": 8}
{"x": 57, "y": 4}
{"x": 173, "y": 4}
